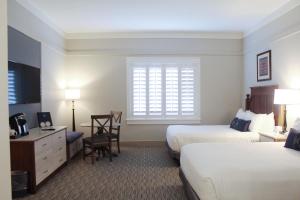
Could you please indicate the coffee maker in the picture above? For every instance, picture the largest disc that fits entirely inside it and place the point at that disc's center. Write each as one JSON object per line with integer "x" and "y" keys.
{"x": 18, "y": 122}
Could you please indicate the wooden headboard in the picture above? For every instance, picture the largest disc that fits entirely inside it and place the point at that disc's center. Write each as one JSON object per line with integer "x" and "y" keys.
{"x": 261, "y": 101}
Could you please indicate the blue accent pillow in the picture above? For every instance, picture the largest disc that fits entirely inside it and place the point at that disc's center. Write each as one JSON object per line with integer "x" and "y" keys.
{"x": 293, "y": 140}
{"x": 240, "y": 124}
{"x": 234, "y": 123}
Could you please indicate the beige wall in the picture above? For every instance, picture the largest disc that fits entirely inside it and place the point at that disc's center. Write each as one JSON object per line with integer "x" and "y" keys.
{"x": 98, "y": 67}
{"x": 5, "y": 185}
{"x": 282, "y": 36}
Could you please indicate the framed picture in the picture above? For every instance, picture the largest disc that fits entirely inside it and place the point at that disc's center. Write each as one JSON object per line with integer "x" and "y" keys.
{"x": 264, "y": 64}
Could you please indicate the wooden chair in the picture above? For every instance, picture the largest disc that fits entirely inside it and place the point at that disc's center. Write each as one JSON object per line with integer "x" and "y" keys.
{"x": 99, "y": 142}
{"x": 116, "y": 116}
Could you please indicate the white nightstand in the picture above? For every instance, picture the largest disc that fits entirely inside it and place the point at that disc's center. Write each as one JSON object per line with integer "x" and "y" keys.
{"x": 272, "y": 137}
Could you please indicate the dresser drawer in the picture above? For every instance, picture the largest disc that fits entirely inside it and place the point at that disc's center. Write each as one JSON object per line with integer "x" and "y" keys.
{"x": 60, "y": 157}
{"x": 43, "y": 167}
{"x": 42, "y": 174}
{"x": 43, "y": 145}
{"x": 43, "y": 160}
{"x": 59, "y": 138}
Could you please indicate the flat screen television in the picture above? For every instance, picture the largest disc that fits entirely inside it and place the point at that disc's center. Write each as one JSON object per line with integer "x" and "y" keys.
{"x": 24, "y": 84}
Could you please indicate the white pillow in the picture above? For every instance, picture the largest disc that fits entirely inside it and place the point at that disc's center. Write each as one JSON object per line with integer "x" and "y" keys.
{"x": 268, "y": 124}
{"x": 241, "y": 114}
{"x": 257, "y": 121}
{"x": 248, "y": 115}
{"x": 297, "y": 124}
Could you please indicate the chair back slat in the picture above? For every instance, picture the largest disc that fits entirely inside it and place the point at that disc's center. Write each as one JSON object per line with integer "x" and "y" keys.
{"x": 117, "y": 116}
{"x": 102, "y": 123}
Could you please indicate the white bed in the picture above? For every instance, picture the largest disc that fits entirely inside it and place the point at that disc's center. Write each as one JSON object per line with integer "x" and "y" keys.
{"x": 180, "y": 135}
{"x": 260, "y": 171}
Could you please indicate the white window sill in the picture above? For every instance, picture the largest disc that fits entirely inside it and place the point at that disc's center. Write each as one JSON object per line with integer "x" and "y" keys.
{"x": 163, "y": 121}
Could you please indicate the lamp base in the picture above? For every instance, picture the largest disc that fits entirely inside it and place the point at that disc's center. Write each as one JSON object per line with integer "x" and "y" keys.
{"x": 283, "y": 132}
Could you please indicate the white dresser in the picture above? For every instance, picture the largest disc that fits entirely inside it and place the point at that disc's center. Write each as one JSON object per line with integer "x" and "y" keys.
{"x": 40, "y": 153}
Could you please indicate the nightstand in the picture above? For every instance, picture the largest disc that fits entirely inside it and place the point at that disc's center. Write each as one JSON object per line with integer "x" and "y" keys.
{"x": 272, "y": 137}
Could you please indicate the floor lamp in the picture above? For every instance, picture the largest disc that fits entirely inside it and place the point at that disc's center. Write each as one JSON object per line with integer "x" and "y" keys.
{"x": 286, "y": 97}
{"x": 72, "y": 94}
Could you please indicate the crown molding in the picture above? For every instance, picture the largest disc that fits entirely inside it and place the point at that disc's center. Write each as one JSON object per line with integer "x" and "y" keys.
{"x": 158, "y": 34}
{"x": 41, "y": 15}
{"x": 275, "y": 15}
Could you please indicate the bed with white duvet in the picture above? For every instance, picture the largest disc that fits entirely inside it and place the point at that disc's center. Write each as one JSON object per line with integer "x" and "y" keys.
{"x": 235, "y": 171}
{"x": 179, "y": 135}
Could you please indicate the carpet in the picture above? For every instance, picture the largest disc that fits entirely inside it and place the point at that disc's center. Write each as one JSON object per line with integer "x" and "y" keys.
{"x": 142, "y": 171}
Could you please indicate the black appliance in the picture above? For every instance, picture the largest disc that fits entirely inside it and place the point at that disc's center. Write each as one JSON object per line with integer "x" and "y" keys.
{"x": 24, "y": 84}
{"x": 18, "y": 122}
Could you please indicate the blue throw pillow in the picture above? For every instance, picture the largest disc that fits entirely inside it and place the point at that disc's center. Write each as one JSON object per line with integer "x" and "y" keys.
{"x": 234, "y": 123}
{"x": 240, "y": 124}
{"x": 293, "y": 140}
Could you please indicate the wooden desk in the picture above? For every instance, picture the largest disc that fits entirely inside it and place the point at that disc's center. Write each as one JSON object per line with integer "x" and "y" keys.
{"x": 41, "y": 153}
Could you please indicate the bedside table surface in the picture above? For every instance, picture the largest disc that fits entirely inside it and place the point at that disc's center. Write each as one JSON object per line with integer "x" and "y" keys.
{"x": 275, "y": 136}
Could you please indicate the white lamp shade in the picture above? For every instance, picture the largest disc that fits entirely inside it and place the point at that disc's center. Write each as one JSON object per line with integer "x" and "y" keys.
{"x": 72, "y": 94}
{"x": 287, "y": 96}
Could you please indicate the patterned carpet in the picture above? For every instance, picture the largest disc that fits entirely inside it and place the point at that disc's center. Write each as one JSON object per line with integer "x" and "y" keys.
{"x": 142, "y": 171}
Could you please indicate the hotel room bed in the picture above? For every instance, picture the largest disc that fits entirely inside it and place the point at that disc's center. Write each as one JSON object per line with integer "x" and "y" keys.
{"x": 180, "y": 135}
{"x": 260, "y": 101}
{"x": 234, "y": 171}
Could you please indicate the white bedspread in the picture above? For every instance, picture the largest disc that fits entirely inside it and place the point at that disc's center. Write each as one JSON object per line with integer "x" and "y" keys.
{"x": 179, "y": 135}
{"x": 257, "y": 171}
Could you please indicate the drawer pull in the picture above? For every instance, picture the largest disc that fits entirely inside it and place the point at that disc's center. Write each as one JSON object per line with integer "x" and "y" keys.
{"x": 45, "y": 158}
{"x": 45, "y": 172}
{"x": 60, "y": 149}
{"x": 44, "y": 145}
{"x": 61, "y": 160}
{"x": 59, "y": 137}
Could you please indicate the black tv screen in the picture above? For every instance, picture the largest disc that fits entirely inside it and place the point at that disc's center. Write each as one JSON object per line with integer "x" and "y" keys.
{"x": 24, "y": 84}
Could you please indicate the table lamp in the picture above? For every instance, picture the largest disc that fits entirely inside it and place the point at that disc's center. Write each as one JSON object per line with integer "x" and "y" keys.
{"x": 72, "y": 94}
{"x": 286, "y": 97}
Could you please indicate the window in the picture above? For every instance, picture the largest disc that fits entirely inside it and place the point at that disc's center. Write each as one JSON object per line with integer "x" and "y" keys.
{"x": 163, "y": 90}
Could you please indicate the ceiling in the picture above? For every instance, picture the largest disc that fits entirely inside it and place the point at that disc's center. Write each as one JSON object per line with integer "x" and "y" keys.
{"x": 94, "y": 16}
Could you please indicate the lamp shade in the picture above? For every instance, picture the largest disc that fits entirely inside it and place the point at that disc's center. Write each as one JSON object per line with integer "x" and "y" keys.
{"x": 72, "y": 94}
{"x": 287, "y": 96}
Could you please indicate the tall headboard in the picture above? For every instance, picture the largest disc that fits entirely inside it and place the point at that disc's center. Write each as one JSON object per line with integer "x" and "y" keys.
{"x": 261, "y": 101}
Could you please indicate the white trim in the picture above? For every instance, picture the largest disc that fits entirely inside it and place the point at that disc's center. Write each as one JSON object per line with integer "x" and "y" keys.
{"x": 275, "y": 15}
{"x": 158, "y": 34}
{"x": 32, "y": 8}
{"x": 163, "y": 121}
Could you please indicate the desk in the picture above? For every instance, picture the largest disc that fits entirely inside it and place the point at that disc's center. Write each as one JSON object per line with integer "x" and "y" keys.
{"x": 41, "y": 153}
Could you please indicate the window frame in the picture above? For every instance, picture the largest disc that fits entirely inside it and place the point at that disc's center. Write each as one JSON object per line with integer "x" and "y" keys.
{"x": 195, "y": 119}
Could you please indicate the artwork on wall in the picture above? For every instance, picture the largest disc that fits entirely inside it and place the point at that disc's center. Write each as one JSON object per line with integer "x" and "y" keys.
{"x": 264, "y": 63}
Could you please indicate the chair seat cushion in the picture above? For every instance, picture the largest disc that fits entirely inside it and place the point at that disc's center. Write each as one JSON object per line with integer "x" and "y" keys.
{"x": 72, "y": 136}
{"x": 99, "y": 139}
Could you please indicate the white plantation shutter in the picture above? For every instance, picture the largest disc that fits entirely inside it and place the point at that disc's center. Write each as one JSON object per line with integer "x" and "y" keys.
{"x": 155, "y": 92}
{"x": 187, "y": 91}
{"x": 172, "y": 107}
{"x": 139, "y": 91}
{"x": 164, "y": 89}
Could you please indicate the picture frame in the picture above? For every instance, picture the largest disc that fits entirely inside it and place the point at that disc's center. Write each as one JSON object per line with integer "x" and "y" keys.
{"x": 264, "y": 66}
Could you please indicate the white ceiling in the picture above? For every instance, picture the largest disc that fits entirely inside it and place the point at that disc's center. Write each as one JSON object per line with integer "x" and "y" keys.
{"x": 91, "y": 16}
